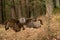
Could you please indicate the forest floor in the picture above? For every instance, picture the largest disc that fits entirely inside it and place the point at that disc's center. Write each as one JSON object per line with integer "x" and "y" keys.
{"x": 34, "y": 34}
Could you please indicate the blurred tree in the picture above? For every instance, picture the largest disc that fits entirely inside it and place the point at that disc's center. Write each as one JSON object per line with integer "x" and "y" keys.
{"x": 30, "y": 9}
{"x": 2, "y": 10}
{"x": 8, "y": 9}
{"x": 49, "y": 10}
{"x": 19, "y": 8}
{"x": 23, "y": 7}
{"x": 38, "y": 7}
{"x": 57, "y": 3}
{"x": 13, "y": 10}
{"x": 54, "y": 3}
{"x": 27, "y": 7}
{"x": 49, "y": 7}
{"x": 0, "y": 13}
{"x": 35, "y": 8}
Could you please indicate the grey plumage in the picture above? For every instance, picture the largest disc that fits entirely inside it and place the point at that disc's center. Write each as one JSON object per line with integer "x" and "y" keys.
{"x": 34, "y": 23}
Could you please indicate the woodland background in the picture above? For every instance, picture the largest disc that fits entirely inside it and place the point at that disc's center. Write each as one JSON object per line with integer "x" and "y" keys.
{"x": 26, "y": 8}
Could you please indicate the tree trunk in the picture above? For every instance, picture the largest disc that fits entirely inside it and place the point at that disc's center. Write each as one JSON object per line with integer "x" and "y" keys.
{"x": 27, "y": 8}
{"x": 13, "y": 13}
{"x": 30, "y": 9}
{"x": 8, "y": 9}
{"x": 0, "y": 13}
{"x": 2, "y": 10}
{"x": 57, "y": 4}
{"x": 14, "y": 10}
{"x": 49, "y": 9}
{"x": 23, "y": 8}
{"x": 19, "y": 10}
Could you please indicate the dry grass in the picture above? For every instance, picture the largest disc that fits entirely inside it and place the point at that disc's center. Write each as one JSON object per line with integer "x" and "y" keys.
{"x": 31, "y": 33}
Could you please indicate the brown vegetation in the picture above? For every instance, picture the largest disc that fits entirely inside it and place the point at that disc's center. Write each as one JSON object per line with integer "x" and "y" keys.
{"x": 34, "y": 34}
